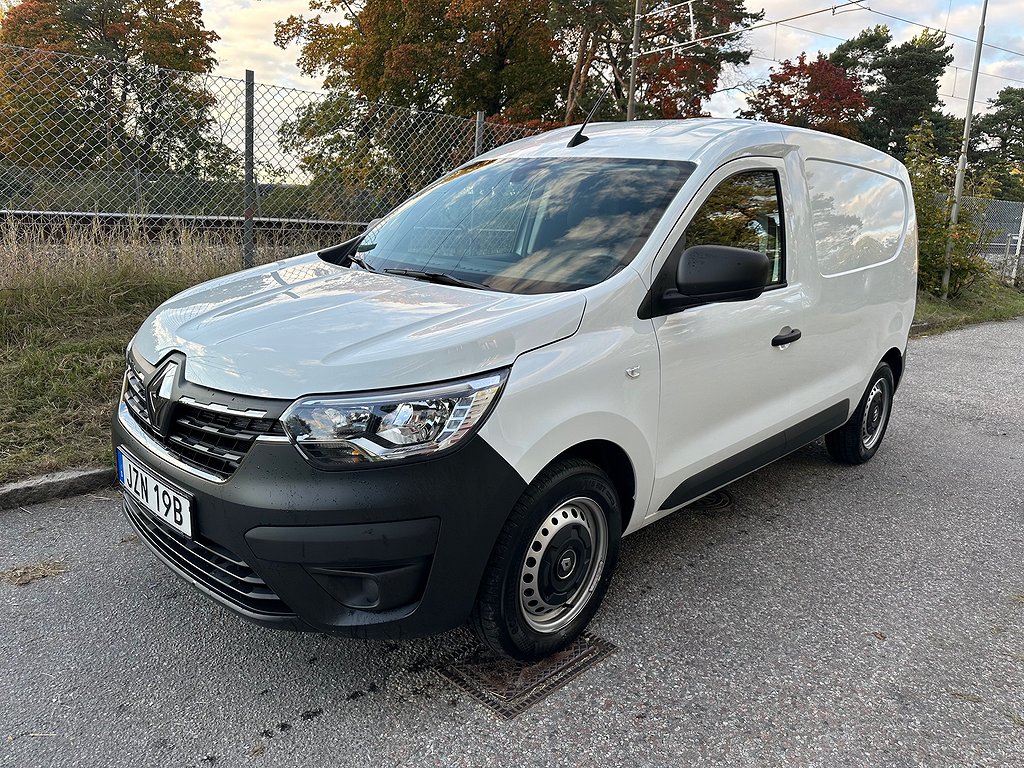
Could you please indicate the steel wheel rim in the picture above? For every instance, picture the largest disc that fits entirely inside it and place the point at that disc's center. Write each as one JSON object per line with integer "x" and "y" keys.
{"x": 876, "y": 414}
{"x": 547, "y": 567}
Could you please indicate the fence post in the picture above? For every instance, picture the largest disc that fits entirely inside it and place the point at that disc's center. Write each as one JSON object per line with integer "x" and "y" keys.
{"x": 1016, "y": 255}
{"x": 478, "y": 145}
{"x": 248, "y": 235}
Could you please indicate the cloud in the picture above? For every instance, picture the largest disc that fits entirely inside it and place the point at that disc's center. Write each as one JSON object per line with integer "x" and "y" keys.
{"x": 819, "y": 32}
{"x": 246, "y": 29}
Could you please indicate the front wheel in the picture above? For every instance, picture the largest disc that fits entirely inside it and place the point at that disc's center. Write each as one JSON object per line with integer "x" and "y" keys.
{"x": 857, "y": 441}
{"x": 552, "y": 563}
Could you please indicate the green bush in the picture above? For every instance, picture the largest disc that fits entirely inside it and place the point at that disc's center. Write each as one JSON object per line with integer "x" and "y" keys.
{"x": 932, "y": 179}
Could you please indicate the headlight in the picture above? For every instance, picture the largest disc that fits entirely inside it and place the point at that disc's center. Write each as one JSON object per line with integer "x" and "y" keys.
{"x": 350, "y": 430}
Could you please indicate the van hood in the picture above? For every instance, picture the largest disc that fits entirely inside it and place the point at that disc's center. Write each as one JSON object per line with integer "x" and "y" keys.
{"x": 304, "y": 326}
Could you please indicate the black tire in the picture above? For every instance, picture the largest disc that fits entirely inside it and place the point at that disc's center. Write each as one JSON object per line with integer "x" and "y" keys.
{"x": 568, "y": 517}
{"x": 858, "y": 439}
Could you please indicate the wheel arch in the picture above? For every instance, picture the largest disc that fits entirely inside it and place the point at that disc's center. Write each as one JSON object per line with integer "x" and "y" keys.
{"x": 616, "y": 463}
{"x": 895, "y": 360}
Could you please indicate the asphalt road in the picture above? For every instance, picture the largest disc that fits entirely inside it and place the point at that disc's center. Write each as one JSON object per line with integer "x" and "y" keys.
{"x": 830, "y": 617}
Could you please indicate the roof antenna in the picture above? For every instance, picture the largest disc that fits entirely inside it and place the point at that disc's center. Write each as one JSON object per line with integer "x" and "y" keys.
{"x": 579, "y": 138}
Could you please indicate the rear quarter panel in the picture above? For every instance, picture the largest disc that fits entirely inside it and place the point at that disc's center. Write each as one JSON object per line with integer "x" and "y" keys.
{"x": 865, "y": 302}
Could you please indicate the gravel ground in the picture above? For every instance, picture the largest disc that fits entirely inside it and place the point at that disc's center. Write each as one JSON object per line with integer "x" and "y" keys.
{"x": 831, "y": 616}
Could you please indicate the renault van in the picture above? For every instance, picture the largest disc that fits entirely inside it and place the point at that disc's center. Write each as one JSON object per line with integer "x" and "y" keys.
{"x": 456, "y": 416}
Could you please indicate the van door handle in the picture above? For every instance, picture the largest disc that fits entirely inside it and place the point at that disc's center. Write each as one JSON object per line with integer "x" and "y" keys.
{"x": 786, "y": 337}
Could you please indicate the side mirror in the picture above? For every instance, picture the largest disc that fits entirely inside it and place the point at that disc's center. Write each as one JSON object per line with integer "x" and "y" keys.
{"x": 712, "y": 273}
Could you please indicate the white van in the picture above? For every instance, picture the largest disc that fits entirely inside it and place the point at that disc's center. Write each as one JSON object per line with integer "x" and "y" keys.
{"x": 457, "y": 415}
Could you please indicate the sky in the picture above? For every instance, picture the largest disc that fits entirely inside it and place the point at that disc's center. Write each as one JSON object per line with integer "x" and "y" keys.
{"x": 246, "y": 28}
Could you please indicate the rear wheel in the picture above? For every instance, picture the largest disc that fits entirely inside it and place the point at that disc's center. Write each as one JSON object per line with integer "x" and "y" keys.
{"x": 552, "y": 563}
{"x": 857, "y": 441}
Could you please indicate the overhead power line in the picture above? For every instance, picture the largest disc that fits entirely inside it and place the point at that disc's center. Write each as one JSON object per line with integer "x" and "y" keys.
{"x": 989, "y": 74}
{"x": 834, "y": 9}
{"x": 954, "y": 67}
{"x": 850, "y": 5}
{"x": 690, "y": 43}
{"x": 812, "y": 32}
{"x": 936, "y": 29}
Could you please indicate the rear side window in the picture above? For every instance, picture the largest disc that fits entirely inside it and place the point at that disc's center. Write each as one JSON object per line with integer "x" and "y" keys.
{"x": 859, "y": 216}
{"x": 744, "y": 211}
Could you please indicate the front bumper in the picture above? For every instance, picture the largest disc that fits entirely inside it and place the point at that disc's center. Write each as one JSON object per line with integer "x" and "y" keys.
{"x": 392, "y": 551}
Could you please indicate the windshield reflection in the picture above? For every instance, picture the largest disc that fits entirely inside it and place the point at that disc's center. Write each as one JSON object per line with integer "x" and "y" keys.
{"x": 528, "y": 225}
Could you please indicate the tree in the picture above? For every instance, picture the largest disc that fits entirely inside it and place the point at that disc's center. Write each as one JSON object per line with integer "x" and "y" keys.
{"x": 110, "y": 88}
{"x": 860, "y": 56}
{"x": 457, "y": 56}
{"x": 932, "y": 183}
{"x": 816, "y": 94}
{"x": 1003, "y": 127}
{"x": 675, "y": 79}
{"x": 1001, "y": 135}
{"x": 900, "y": 83}
{"x": 909, "y": 90}
{"x": 166, "y": 33}
{"x": 518, "y": 60}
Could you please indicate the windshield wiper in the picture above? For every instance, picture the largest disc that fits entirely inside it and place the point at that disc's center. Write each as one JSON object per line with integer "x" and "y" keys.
{"x": 441, "y": 278}
{"x": 356, "y": 258}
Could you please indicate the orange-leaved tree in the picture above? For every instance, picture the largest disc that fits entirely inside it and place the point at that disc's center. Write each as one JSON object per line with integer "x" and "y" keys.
{"x": 455, "y": 56}
{"x": 810, "y": 94}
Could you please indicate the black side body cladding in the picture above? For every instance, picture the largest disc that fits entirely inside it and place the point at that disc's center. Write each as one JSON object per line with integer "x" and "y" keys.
{"x": 760, "y": 455}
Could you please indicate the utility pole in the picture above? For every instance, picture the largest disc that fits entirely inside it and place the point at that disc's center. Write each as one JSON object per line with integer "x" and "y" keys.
{"x": 634, "y": 54}
{"x": 248, "y": 231}
{"x": 958, "y": 187}
{"x": 634, "y": 51}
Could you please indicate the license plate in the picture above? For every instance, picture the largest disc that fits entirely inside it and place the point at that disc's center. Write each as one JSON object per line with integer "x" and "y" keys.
{"x": 164, "y": 502}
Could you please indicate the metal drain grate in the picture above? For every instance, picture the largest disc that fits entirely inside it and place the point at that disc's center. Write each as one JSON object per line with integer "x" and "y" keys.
{"x": 719, "y": 499}
{"x": 509, "y": 688}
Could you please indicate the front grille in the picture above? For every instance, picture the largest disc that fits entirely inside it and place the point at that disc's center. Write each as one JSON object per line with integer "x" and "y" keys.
{"x": 135, "y": 398}
{"x": 209, "y": 436}
{"x": 216, "y": 568}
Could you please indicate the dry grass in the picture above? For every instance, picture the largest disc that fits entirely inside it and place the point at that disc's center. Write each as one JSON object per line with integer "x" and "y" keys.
{"x": 70, "y": 300}
{"x": 26, "y": 574}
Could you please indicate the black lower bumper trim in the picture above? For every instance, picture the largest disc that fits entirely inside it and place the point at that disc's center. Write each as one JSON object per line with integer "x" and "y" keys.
{"x": 389, "y": 551}
{"x": 348, "y": 544}
{"x": 212, "y": 568}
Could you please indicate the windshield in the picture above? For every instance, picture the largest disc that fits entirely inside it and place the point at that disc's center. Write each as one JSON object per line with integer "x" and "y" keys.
{"x": 528, "y": 225}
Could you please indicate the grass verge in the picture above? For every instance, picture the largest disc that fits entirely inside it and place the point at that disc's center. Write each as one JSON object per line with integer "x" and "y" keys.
{"x": 983, "y": 302}
{"x": 70, "y": 301}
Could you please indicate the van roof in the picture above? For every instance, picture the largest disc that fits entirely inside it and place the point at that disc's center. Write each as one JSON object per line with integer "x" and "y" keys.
{"x": 698, "y": 140}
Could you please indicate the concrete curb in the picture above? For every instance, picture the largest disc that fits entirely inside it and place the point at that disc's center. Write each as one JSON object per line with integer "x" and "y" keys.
{"x": 56, "y": 485}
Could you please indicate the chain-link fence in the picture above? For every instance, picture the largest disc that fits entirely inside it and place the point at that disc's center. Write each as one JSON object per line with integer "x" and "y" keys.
{"x": 82, "y": 137}
{"x": 85, "y": 138}
{"x": 1002, "y": 226}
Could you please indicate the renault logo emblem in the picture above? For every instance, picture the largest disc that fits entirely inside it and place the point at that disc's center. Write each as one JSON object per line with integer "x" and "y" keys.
{"x": 160, "y": 395}
{"x": 567, "y": 564}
